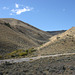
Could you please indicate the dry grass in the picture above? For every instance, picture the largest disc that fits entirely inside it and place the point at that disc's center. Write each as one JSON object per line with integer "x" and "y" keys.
{"x": 63, "y": 43}
{"x": 15, "y": 34}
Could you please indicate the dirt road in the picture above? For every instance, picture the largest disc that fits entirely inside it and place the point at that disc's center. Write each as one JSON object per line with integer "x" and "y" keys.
{"x": 32, "y": 58}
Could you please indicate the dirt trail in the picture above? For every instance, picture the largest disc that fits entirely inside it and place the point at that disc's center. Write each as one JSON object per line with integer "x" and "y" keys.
{"x": 32, "y": 58}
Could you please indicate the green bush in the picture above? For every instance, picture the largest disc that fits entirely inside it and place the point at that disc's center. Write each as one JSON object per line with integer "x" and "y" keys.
{"x": 23, "y": 54}
{"x": 14, "y": 53}
{"x": 20, "y": 52}
{"x": 31, "y": 50}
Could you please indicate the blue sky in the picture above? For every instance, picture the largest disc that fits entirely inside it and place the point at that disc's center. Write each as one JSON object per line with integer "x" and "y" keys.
{"x": 47, "y": 15}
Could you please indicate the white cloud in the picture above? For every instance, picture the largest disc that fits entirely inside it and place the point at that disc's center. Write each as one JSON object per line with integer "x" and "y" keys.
{"x": 19, "y": 11}
{"x": 5, "y": 8}
{"x": 11, "y": 14}
{"x": 17, "y": 5}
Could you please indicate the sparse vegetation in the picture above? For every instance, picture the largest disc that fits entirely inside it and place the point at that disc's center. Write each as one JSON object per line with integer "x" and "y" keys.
{"x": 0, "y": 57}
{"x": 63, "y": 65}
{"x": 7, "y": 63}
{"x": 20, "y": 52}
{"x": 58, "y": 38}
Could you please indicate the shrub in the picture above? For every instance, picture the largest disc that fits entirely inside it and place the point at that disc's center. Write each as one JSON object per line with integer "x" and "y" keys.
{"x": 31, "y": 50}
{"x": 7, "y": 63}
{"x": 7, "y": 24}
{"x": 0, "y": 56}
{"x": 26, "y": 51}
{"x": 58, "y": 37}
{"x": 12, "y": 55}
{"x": 23, "y": 53}
{"x": 20, "y": 52}
{"x": 15, "y": 52}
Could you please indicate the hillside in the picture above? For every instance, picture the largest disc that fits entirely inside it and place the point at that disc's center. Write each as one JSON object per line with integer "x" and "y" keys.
{"x": 15, "y": 34}
{"x": 62, "y": 43}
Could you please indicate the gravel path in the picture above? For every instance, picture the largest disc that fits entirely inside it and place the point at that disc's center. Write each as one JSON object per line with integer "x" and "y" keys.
{"x": 32, "y": 58}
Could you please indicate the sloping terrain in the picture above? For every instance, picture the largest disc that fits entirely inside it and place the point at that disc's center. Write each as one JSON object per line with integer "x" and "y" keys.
{"x": 15, "y": 34}
{"x": 62, "y": 43}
